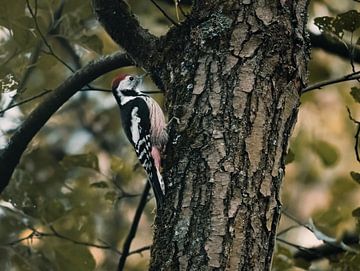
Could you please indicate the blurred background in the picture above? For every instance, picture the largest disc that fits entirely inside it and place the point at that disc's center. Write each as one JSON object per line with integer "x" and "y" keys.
{"x": 79, "y": 182}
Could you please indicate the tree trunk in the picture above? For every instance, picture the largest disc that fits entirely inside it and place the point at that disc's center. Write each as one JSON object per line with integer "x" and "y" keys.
{"x": 233, "y": 76}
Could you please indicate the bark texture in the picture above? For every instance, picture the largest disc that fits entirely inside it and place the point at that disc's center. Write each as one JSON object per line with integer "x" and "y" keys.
{"x": 233, "y": 73}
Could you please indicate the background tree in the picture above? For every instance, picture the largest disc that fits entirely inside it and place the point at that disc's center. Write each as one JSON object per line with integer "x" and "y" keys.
{"x": 237, "y": 103}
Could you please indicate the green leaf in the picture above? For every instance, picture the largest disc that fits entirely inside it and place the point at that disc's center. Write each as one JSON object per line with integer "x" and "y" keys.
{"x": 117, "y": 165}
{"x": 290, "y": 157}
{"x": 325, "y": 24}
{"x": 23, "y": 32}
{"x": 111, "y": 196}
{"x": 302, "y": 263}
{"x": 282, "y": 259}
{"x": 53, "y": 210}
{"x": 283, "y": 251}
{"x": 356, "y": 212}
{"x": 326, "y": 152}
{"x": 100, "y": 184}
{"x": 355, "y": 93}
{"x": 11, "y": 8}
{"x": 355, "y": 176}
{"x": 349, "y": 21}
{"x": 74, "y": 258}
{"x": 88, "y": 160}
{"x": 92, "y": 42}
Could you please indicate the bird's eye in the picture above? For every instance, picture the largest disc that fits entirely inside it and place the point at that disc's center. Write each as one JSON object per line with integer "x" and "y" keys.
{"x": 131, "y": 78}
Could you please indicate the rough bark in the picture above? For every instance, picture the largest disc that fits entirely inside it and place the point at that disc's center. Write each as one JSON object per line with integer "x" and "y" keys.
{"x": 233, "y": 73}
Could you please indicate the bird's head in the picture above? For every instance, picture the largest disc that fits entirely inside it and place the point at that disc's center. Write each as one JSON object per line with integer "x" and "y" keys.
{"x": 126, "y": 82}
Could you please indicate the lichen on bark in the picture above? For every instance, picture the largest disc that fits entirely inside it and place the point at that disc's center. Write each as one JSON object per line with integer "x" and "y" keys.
{"x": 246, "y": 64}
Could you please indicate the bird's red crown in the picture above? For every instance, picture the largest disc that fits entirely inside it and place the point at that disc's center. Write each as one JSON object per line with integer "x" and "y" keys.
{"x": 117, "y": 80}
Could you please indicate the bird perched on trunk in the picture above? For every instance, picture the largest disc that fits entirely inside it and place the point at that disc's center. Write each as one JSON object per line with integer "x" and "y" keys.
{"x": 144, "y": 124}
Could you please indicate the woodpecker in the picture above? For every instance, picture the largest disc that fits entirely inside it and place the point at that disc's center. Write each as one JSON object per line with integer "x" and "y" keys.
{"x": 144, "y": 124}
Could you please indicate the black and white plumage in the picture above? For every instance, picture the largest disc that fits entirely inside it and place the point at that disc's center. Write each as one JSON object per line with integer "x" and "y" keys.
{"x": 144, "y": 125}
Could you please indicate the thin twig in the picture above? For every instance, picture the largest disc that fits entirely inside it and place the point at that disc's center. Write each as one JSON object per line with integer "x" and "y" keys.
{"x": 357, "y": 135}
{"x": 182, "y": 11}
{"x": 139, "y": 250}
{"x": 39, "y": 234}
{"x": 164, "y": 13}
{"x": 57, "y": 234}
{"x": 321, "y": 236}
{"x": 319, "y": 85}
{"x": 109, "y": 90}
{"x": 49, "y": 90}
{"x": 296, "y": 220}
{"x": 36, "y": 51}
{"x": 153, "y": 92}
{"x": 351, "y": 52}
{"x": 42, "y": 36}
{"x": 96, "y": 89}
{"x": 25, "y": 101}
{"x": 54, "y": 233}
{"x": 29, "y": 236}
{"x": 300, "y": 248}
{"x": 134, "y": 226}
{"x": 287, "y": 229}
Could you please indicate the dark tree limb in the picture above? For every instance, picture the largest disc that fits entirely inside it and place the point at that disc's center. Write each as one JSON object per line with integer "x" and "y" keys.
{"x": 10, "y": 156}
{"x": 126, "y": 31}
{"x": 334, "y": 46}
{"x": 134, "y": 226}
{"x": 326, "y": 250}
{"x": 338, "y": 48}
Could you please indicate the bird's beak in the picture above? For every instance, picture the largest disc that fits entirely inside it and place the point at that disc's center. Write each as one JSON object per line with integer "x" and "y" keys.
{"x": 141, "y": 77}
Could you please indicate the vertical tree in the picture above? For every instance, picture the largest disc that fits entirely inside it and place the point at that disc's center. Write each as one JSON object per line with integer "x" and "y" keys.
{"x": 232, "y": 74}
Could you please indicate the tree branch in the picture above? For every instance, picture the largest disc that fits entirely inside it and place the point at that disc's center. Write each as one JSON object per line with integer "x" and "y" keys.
{"x": 59, "y": 235}
{"x": 10, "y": 156}
{"x": 319, "y": 85}
{"x": 326, "y": 250}
{"x": 357, "y": 135}
{"x": 125, "y": 30}
{"x": 334, "y": 46}
{"x": 139, "y": 250}
{"x": 39, "y": 234}
{"x": 133, "y": 229}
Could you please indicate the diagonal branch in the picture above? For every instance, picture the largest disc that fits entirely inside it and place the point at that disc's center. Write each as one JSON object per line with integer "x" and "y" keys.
{"x": 10, "y": 156}
{"x": 164, "y": 13}
{"x": 125, "y": 30}
{"x": 357, "y": 135}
